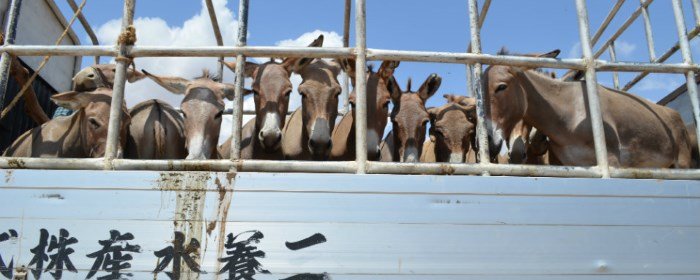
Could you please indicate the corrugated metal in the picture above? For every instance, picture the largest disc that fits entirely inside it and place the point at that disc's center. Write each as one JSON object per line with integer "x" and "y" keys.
{"x": 375, "y": 226}
{"x": 17, "y": 122}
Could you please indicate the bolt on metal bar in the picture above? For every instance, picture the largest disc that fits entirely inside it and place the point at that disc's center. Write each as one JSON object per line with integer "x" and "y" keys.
{"x": 594, "y": 112}
{"x": 217, "y": 35}
{"x": 115, "y": 110}
{"x": 648, "y": 31}
{"x": 86, "y": 26}
{"x": 346, "y": 43}
{"x": 483, "y": 141}
{"x": 692, "y": 87}
{"x": 6, "y": 58}
{"x": 237, "y": 121}
{"x": 606, "y": 22}
{"x": 361, "y": 87}
{"x": 692, "y": 34}
{"x": 614, "y": 37}
{"x": 613, "y": 58}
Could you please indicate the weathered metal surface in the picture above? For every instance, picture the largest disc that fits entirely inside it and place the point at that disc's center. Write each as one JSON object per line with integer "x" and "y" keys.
{"x": 375, "y": 226}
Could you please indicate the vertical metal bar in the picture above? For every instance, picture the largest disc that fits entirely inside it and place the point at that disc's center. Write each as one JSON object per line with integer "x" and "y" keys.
{"x": 6, "y": 59}
{"x": 482, "y": 18}
{"x": 613, "y": 58}
{"x": 601, "y": 150}
{"x": 346, "y": 43}
{"x": 696, "y": 11}
{"x": 237, "y": 116}
{"x": 115, "y": 112}
{"x": 86, "y": 26}
{"x": 687, "y": 59}
{"x": 484, "y": 157}
{"x": 648, "y": 32}
{"x": 360, "y": 87}
{"x": 217, "y": 35}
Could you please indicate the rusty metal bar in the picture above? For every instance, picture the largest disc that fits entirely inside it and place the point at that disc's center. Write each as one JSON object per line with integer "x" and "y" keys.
{"x": 237, "y": 121}
{"x": 217, "y": 35}
{"x": 346, "y": 43}
{"x": 482, "y": 136}
{"x": 361, "y": 87}
{"x": 6, "y": 58}
{"x": 115, "y": 112}
{"x": 86, "y": 26}
{"x": 601, "y": 150}
{"x": 692, "y": 86}
{"x": 613, "y": 58}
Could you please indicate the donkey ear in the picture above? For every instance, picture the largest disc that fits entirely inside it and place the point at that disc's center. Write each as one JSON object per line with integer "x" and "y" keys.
{"x": 248, "y": 69}
{"x": 348, "y": 66}
{"x": 175, "y": 85}
{"x": 387, "y": 68}
{"x": 429, "y": 87}
{"x": 296, "y": 64}
{"x": 133, "y": 75}
{"x": 394, "y": 90}
{"x": 229, "y": 91}
{"x": 552, "y": 54}
{"x": 72, "y": 99}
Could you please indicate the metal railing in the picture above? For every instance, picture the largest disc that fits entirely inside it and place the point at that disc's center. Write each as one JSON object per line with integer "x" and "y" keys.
{"x": 589, "y": 64}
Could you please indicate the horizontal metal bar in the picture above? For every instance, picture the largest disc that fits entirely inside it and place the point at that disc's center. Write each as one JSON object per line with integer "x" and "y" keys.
{"x": 649, "y": 67}
{"x": 471, "y": 58}
{"x": 346, "y": 167}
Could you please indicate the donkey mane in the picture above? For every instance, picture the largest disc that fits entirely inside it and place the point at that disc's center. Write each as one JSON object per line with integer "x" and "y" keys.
{"x": 505, "y": 51}
{"x": 206, "y": 74}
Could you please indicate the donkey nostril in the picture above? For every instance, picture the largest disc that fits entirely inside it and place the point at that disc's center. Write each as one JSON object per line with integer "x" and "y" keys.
{"x": 312, "y": 143}
{"x": 329, "y": 145}
{"x": 91, "y": 76}
{"x": 279, "y": 137}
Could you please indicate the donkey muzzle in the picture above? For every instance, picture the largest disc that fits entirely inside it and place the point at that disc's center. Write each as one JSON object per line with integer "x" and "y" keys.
{"x": 320, "y": 139}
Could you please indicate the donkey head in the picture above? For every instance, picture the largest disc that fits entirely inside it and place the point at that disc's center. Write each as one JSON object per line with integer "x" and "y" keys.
{"x": 410, "y": 119}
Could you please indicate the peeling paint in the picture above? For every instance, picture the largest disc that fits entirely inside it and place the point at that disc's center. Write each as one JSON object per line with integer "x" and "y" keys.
{"x": 225, "y": 191}
{"x": 446, "y": 169}
{"x": 16, "y": 163}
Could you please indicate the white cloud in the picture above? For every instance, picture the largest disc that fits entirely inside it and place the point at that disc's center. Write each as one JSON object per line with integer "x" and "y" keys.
{"x": 196, "y": 31}
{"x": 624, "y": 49}
{"x": 661, "y": 84}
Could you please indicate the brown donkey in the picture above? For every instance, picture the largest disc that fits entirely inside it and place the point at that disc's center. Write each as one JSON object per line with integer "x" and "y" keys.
{"x": 82, "y": 134}
{"x": 202, "y": 108}
{"x": 307, "y": 134}
{"x": 380, "y": 87}
{"x": 452, "y": 130}
{"x": 262, "y": 136}
{"x": 410, "y": 120}
{"x": 638, "y": 133}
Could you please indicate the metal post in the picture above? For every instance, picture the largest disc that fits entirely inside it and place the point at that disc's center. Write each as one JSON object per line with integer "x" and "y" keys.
{"x": 217, "y": 35}
{"x": 6, "y": 59}
{"x": 696, "y": 11}
{"x": 86, "y": 26}
{"x": 601, "y": 150}
{"x": 687, "y": 59}
{"x": 613, "y": 58}
{"x": 484, "y": 157}
{"x": 482, "y": 18}
{"x": 115, "y": 112}
{"x": 237, "y": 118}
{"x": 346, "y": 43}
{"x": 360, "y": 87}
{"x": 648, "y": 32}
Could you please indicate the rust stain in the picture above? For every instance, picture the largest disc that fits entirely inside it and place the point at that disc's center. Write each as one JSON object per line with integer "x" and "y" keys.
{"x": 210, "y": 227}
{"x": 16, "y": 163}
{"x": 446, "y": 169}
{"x": 9, "y": 176}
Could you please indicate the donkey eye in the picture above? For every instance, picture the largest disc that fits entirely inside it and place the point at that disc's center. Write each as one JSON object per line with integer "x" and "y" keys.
{"x": 94, "y": 123}
{"x": 219, "y": 114}
{"x": 501, "y": 87}
{"x": 386, "y": 104}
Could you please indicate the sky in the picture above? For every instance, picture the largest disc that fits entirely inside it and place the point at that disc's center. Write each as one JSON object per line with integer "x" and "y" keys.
{"x": 521, "y": 26}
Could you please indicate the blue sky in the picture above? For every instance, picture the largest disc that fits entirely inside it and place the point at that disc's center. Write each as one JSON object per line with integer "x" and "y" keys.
{"x": 522, "y": 26}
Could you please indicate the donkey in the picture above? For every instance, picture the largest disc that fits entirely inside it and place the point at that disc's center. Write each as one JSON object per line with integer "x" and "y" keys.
{"x": 202, "y": 108}
{"x": 307, "y": 134}
{"x": 153, "y": 122}
{"x": 452, "y": 130}
{"x": 381, "y": 86}
{"x": 410, "y": 120}
{"x": 262, "y": 136}
{"x": 638, "y": 133}
{"x": 81, "y": 135}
